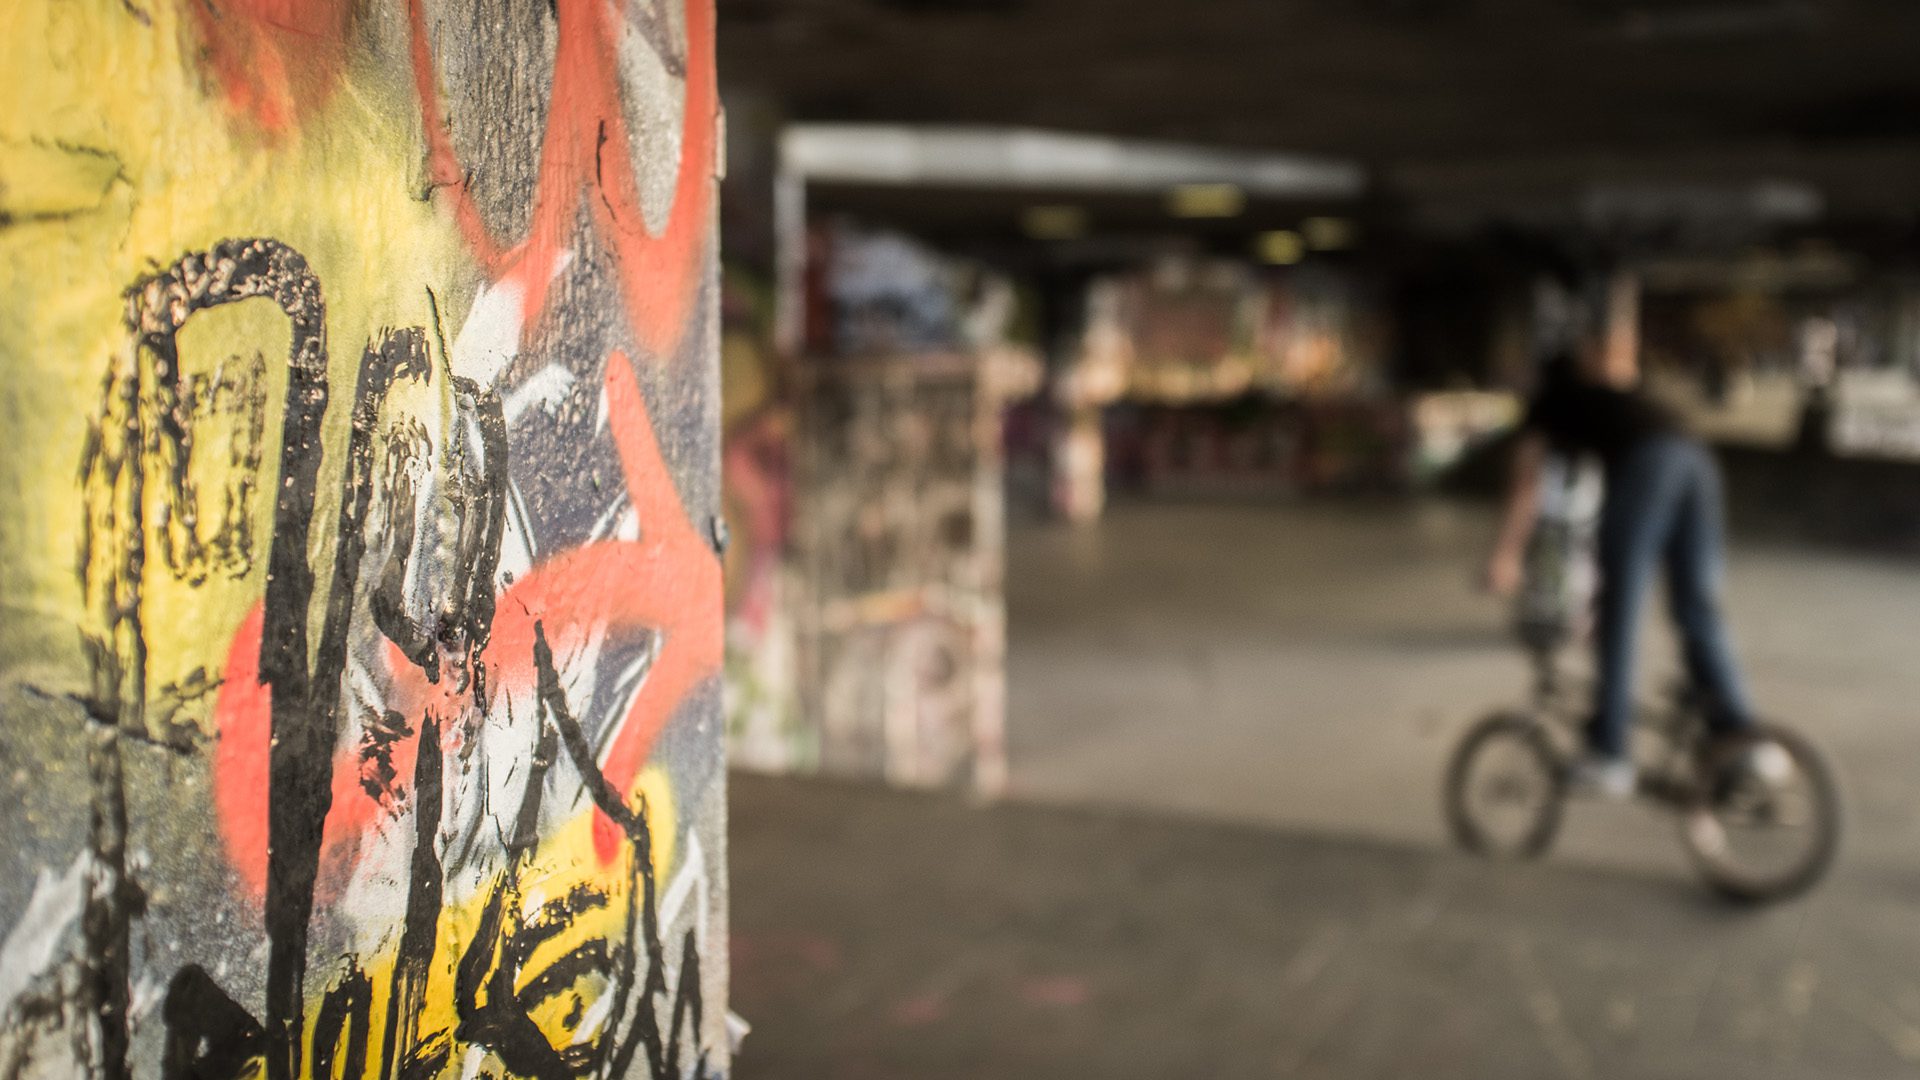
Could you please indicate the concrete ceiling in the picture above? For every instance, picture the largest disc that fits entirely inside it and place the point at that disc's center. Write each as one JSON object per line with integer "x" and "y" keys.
{"x": 1455, "y": 102}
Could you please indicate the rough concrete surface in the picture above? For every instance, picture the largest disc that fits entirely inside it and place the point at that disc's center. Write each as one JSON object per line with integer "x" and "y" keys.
{"x": 1224, "y": 857}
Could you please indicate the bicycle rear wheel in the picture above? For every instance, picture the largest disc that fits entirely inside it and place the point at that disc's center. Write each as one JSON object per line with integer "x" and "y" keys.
{"x": 1505, "y": 788}
{"x": 1758, "y": 838}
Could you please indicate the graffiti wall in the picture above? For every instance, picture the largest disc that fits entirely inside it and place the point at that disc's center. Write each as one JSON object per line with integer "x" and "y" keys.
{"x": 360, "y": 557}
{"x": 763, "y": 721}
{"x": 899, "y": 548}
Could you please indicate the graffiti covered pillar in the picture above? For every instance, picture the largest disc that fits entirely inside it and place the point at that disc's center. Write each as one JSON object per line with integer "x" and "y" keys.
{"x": 360, "y": 593}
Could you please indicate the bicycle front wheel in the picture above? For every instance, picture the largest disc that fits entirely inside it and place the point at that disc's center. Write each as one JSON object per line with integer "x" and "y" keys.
{"x": 1766, "y": 831}
{"x": 1505, "y": 788}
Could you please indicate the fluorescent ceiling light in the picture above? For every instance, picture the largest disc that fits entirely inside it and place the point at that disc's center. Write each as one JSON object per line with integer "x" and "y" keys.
{"x": 1282, "y": 247}
{"x": 1206, "y": 201}
{"x": 1054, "y": 222}
{"x": 1328, "y": 233}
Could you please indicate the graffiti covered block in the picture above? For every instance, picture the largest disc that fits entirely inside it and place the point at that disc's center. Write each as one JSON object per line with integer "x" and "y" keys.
{"x": 362, "y": 614}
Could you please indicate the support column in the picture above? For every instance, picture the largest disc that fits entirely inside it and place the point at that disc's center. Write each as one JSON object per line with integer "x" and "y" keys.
{"x": 359, "y": 533}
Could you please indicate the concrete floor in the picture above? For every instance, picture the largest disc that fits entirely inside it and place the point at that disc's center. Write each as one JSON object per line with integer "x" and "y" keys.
{"x": 1224, "y": 855}
{"x": 1311, "y": 667}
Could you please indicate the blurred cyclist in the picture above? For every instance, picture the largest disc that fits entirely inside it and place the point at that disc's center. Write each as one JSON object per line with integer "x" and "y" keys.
{"x": 1662, "y": 508}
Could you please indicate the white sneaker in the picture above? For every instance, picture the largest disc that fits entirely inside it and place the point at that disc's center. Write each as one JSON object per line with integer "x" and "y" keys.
{"x": 1752, "y": 757}
{"x": 1770, "y": 763}
{"x": 1603, "y": 777}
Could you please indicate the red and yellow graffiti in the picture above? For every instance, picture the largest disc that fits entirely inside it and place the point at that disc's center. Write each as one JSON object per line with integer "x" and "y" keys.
{"x": 197, "y": 156}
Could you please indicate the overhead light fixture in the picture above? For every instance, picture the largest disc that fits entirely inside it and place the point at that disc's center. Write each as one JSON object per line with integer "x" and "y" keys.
{"x": 1054, "y": 222}
{"x": 1206, "y": 200}
{"x": 1328, "y": 233}
{"x": 1282, "y": 247}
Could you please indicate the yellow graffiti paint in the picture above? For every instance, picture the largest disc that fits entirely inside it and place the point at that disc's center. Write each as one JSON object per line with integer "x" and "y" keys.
{"x": 115, "y": 159}
{"x": 143, "y": 471}
{"x": 563, "y": 863}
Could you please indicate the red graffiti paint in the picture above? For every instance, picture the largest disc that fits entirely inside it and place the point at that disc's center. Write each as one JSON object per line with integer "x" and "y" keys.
{"x": 754, "y": 470}
{"x": 587, "y": 154}
{"x": 243, "y": 715}
{"x": 274, "y": 60}
{"x": 668, "y": 582}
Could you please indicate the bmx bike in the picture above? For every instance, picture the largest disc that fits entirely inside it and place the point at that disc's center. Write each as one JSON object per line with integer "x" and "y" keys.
{"x": 1753, "y": 838}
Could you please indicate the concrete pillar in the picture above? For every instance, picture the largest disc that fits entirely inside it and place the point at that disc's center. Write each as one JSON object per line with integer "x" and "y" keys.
{"x": 360, "y": 606}
{"x": 1094, "y": 375}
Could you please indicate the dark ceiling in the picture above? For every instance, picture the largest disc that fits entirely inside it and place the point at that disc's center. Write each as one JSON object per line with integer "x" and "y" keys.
{"x": 1449, "y": 100}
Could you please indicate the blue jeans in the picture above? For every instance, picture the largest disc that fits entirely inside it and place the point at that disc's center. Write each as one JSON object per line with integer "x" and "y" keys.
{"x": 1663, "y": 506}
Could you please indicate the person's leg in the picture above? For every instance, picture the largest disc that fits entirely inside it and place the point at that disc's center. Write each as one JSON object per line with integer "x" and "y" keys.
{"x": 1695, "y": 568}
{"x": 1634, "y": 525}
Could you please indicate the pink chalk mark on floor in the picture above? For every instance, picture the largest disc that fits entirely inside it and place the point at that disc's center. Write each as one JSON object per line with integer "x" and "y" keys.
{"x": 920, "y": 1010}
{"x": 1056, "y": 991}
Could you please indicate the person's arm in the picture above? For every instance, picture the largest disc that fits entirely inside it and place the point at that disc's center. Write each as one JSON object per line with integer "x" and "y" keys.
{"x": 1507, "y": 564}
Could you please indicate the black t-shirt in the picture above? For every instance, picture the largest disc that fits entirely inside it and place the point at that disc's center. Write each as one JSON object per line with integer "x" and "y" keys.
{"x": 1578, "y": 416}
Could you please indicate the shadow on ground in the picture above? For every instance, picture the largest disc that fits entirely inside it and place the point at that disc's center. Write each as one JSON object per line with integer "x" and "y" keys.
{"x": 881, "y": 934}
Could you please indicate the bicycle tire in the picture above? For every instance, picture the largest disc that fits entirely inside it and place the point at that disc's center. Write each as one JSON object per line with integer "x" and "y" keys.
{"x": 1531, "y": 736}
{"x": 1805, "y": 872}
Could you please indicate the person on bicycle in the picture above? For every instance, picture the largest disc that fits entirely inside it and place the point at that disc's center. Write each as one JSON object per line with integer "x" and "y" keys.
{"x": 1662, "y": 508}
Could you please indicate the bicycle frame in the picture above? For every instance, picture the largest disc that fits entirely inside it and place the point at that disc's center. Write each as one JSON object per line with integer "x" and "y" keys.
{"x": 1676, "y": 728}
